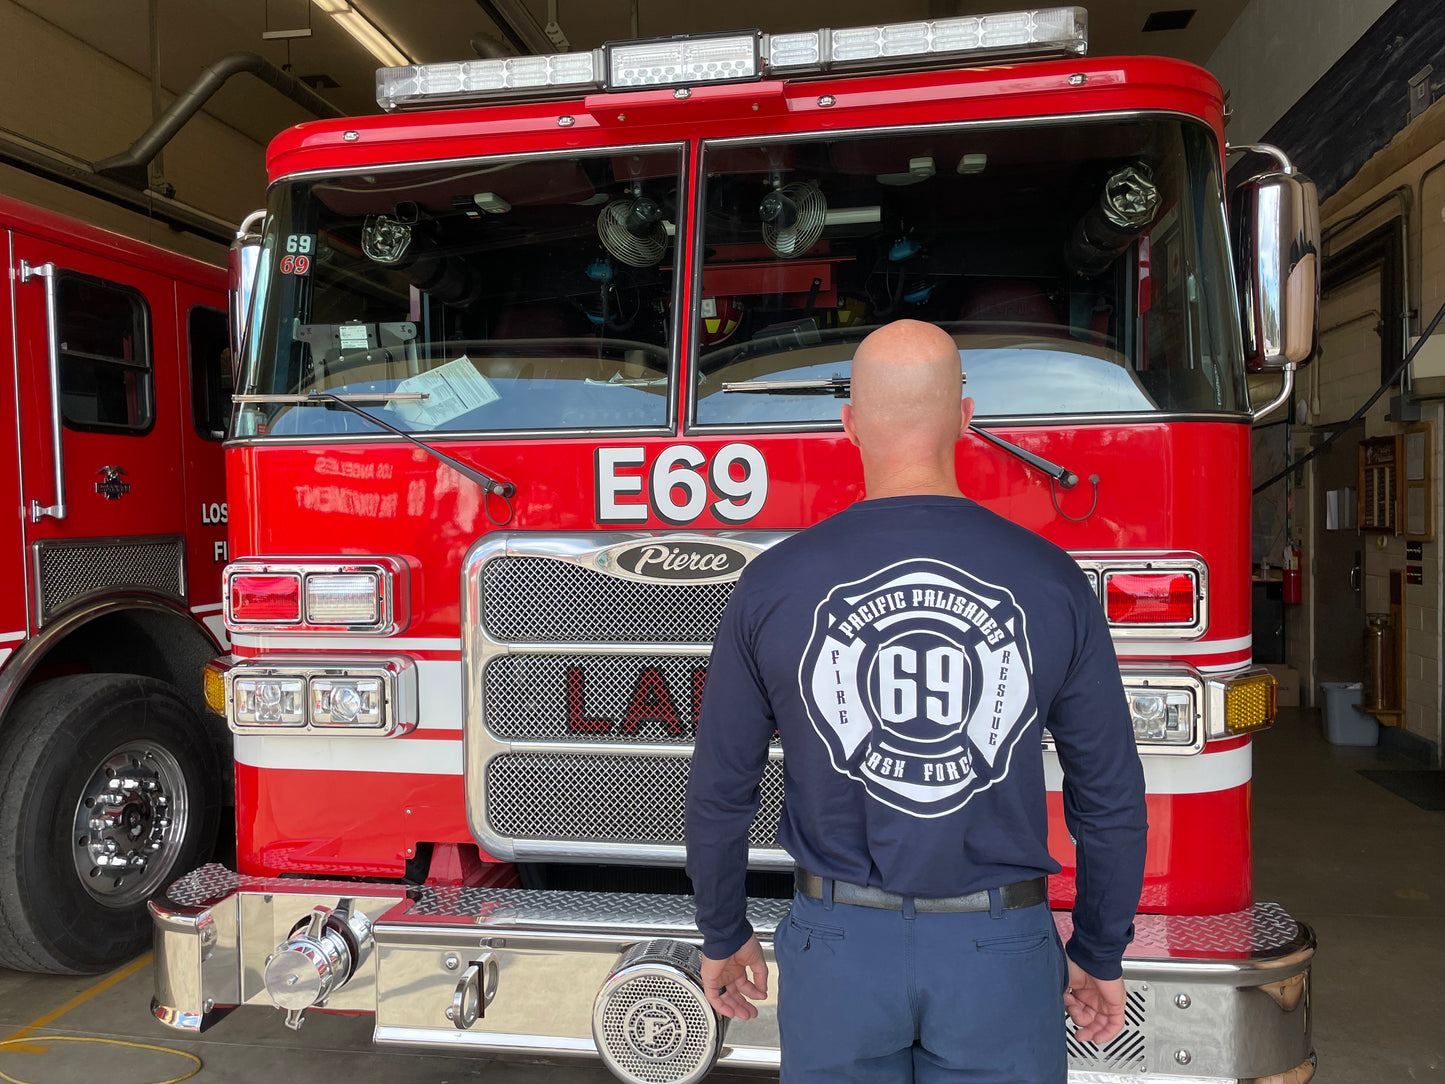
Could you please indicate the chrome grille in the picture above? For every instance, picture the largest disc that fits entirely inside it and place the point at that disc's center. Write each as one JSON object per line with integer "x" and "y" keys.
{"x": 533, "y": 600}
{"x": 69, "y": 571}
{"x": 534, "y": 698}
{"x": 636, "y": 800}
{"x": 1124, "y": 1053}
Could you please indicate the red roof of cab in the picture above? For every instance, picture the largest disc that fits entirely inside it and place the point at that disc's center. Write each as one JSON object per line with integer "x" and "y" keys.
{"x": 26, "y": 218}
{"x": 1024, "y": 90}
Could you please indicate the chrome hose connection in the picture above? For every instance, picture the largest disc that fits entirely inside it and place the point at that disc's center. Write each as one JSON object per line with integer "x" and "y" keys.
{"x": 323, "y": 952}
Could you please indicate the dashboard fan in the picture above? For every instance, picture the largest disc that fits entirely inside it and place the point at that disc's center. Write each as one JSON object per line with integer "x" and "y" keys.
{"x": 793, "y": 218}
{"x": 633, "y": 232}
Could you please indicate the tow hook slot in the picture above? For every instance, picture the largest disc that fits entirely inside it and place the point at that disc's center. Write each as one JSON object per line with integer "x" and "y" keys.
{"x": 323, "y": 952}
{"x": 475, "y": 991}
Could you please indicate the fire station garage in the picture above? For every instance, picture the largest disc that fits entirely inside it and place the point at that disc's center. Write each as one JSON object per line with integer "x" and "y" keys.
{"x": 391, "y": 408}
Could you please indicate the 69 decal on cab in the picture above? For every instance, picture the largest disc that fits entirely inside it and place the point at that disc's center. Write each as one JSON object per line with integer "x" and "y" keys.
{"x": 917, "y": 678}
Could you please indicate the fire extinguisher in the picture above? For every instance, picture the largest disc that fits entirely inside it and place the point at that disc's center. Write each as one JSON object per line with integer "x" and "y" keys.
{"x": 1293, "y": 588}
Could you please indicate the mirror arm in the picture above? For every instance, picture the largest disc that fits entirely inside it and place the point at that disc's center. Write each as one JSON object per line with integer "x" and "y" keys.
{"x": 1274, "y": 404}
{"x": 1263, "y": 148}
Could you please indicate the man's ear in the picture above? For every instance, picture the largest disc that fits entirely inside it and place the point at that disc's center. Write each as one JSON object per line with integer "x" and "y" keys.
{"x": 966, "y": 412}
{"x": 848, "y": 423}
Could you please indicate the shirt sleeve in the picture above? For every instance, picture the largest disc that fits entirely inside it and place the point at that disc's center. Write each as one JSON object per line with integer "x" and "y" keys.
{"x": 1103, "y": 795}
{"x": 735, "y": 727}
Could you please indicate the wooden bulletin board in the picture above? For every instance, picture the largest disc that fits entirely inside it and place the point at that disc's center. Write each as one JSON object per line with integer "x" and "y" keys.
{"x": 1417, "y": 506}
{"x": 1379, "y": 492}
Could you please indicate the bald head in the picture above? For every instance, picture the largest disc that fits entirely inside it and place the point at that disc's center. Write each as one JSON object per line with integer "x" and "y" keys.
{"x": 907, "y": 410}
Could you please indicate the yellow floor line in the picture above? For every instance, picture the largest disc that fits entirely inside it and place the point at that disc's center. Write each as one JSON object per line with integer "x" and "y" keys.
{"x": 79, "y": 999}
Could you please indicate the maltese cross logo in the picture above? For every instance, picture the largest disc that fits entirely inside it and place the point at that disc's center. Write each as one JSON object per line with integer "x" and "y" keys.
{"x": 917, "y": 678}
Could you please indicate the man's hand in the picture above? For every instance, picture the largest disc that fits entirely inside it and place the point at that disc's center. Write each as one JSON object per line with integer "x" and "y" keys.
{"x": 728, "y": 987}
{"x": 1096, "y": 1006}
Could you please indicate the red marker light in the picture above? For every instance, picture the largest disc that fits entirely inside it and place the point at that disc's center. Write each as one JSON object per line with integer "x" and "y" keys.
{"x": 1149, "y": 598}
{"x": 260, "y": 599}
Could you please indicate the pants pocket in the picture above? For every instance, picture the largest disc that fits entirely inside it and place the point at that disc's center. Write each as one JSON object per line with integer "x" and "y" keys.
{"x": 808, "y": 932}
{"x": 1013, "y": 945}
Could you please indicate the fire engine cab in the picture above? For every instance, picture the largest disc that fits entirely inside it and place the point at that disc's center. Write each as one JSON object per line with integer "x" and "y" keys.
{"x": 537, "y": 362}
{"x": 115, "y": 397}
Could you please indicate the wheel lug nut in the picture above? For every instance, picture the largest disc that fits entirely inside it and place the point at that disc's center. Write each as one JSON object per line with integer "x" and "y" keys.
{"x": 109, "y": 846}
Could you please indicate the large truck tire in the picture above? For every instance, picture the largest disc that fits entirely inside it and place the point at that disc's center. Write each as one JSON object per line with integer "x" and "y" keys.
{"x": 109, "y": 791}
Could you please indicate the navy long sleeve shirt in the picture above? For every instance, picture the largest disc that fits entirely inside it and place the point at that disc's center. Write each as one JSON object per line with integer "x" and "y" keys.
{"x": 910, "y": 651}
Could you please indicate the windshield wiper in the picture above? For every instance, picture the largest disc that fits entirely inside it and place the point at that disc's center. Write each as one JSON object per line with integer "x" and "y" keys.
{"x": 1066, "y": 478}
{"x": 834, "y": 385}
{"x": 839, "y": 387}
{"x": 348, "y": 401}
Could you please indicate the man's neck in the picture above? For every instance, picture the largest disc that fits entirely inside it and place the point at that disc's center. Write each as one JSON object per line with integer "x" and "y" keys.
{"x": 910, "y": 483}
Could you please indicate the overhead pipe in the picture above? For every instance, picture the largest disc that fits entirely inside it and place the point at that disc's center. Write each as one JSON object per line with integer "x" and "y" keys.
{"x": 130, "y": 166}
{"x": 76, "y": 173}
{"x": 517, "y": 25}
{"x": 489, "y": 48}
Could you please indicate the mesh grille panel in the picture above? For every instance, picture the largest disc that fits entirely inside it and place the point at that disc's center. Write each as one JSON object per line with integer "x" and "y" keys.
{"x": 606, "y": 799}
{"x": 71, "y": 572}
{"x": 537, "y": 600}
{"x": 654, "y": 1030}
{"x": 587, "y": 697}
{"x": 1125, "y": 1052}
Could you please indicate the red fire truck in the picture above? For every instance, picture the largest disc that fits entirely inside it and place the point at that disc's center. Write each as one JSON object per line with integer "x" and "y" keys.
{"x": 529, "y": 380}
{"x": 115, "y": 398}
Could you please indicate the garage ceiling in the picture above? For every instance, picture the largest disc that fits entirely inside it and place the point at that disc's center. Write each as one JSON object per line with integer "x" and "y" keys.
{"x": 193, "y": 33}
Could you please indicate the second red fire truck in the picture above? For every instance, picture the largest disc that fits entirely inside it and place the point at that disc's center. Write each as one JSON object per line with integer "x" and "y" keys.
{"x": 531, "y": 378}
{"x": 114, "y": 399}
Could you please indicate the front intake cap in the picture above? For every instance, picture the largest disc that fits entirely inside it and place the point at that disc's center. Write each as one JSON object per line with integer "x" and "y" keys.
{"x": 651, "y": 1021}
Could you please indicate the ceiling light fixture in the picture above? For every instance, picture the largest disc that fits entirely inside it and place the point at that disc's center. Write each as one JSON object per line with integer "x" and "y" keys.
{"x": 364, "y": 31}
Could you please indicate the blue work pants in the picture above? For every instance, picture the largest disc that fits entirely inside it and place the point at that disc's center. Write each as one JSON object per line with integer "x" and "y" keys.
{"x": 871, "y": 995}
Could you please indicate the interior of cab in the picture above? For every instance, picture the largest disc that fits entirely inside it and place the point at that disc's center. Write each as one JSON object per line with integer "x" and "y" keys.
{"x": 1069, "y": 261}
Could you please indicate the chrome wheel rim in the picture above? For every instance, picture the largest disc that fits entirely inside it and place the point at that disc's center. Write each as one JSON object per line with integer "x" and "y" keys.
{"x": 130, "y": 823}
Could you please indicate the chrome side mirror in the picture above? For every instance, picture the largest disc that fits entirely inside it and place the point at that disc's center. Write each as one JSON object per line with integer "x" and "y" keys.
{"x": 242, "y": 263}
{"x": 1275, "y": 228}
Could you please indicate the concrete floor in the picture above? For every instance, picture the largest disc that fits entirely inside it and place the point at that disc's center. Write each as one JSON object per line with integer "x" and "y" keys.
{"x": 1366, "y": 869}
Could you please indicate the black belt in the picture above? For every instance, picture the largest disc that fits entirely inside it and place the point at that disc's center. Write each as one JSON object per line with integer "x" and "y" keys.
{"x": 1011, "y": 896}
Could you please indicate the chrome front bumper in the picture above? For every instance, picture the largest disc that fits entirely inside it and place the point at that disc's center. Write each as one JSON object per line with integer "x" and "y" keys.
{"x": 1211, "y": 999}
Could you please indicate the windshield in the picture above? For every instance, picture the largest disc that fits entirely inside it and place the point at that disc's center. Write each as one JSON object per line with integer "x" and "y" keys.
{"x": 515, "y": 295}
{"x": 1082, "y": 268}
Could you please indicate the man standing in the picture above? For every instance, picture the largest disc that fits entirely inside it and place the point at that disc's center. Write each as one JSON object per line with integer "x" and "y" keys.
{"x": 909, "y": 651}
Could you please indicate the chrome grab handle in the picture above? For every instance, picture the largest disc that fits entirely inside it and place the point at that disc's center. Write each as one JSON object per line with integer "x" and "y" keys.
{"x": 52, "y": 342}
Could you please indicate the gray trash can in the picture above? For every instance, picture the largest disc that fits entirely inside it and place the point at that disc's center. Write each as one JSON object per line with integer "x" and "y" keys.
{"x": 1345, "y": 723}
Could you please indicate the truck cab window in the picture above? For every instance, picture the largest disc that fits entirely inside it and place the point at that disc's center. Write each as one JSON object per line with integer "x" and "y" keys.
{"x": 525, "y": 294}
{"x": 209, "y": 352}
{"x": 106, "y": 379}
{"x": 1081, "y": 267}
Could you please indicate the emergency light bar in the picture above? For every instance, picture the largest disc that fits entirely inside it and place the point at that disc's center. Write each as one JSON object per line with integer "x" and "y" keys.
{"x": 729, "y": 58}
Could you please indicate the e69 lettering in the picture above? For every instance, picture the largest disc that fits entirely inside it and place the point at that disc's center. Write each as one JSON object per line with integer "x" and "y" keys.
{"x": 680, "y": 484}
